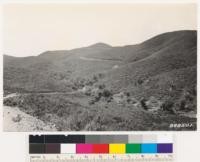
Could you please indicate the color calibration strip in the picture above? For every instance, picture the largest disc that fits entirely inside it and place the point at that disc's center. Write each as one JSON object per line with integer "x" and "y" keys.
{"x": 101, "y": 144}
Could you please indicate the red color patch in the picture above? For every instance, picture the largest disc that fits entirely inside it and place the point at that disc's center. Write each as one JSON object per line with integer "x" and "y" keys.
{"x": 101, "y": 148}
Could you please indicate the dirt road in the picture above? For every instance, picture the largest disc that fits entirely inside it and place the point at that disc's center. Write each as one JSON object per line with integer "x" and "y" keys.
{"x": 96, "y": 59}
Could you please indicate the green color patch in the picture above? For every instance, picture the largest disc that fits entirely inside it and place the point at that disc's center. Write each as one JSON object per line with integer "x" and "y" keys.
{"x": 133, "y": 148}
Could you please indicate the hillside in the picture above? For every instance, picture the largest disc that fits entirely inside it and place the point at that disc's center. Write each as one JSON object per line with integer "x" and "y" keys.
{"x": 179, "y": 55}
{"x": 161, "y": 71}
{"x": 160, "y": 54}
{"x": 51, "y": 70}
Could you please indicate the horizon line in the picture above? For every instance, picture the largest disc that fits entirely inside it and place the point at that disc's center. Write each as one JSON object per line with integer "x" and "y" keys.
{"x": 100, "y": 42}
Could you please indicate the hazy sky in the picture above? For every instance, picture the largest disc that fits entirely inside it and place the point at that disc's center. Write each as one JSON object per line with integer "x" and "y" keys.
{"x": 30, "y": 29}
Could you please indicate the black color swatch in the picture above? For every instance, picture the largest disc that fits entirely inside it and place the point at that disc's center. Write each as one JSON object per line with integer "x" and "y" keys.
{"x": 36, "y": 139}
{"x": 64, "y": 139}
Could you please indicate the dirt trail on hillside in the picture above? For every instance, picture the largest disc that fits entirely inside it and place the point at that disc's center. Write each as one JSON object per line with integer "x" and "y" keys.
{"x": 11, "y": 95}
{"x": 16, "y": 120}
{"x": 96, "y": 59}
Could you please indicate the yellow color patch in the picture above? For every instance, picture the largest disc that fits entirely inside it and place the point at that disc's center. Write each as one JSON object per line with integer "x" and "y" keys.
{"x": 117, "y": 148}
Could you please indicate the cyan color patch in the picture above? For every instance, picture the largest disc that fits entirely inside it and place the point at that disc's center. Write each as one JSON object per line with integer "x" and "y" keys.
{"x": 149, "y": 148}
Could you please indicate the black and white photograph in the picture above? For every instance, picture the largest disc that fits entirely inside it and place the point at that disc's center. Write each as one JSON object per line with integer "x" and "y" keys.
{"x": 99, "y": 67}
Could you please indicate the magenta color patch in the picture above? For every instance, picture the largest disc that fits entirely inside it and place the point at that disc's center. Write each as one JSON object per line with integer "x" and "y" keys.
{"x": 83, "y": 148}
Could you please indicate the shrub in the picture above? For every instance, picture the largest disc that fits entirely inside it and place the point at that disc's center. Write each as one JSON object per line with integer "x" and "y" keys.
{"x": 89, "y": 83}
{"x": 101, "y": 86}
{"x": 172, "y": 86}
{"x": 143, "y": 103}
{"x": 182, "y": 104}
{"x": 109, "y": 99}
{"x": 168, "y": 105}
{"x": 187, "y": 101}
{"x": 74, "y": 88}
{"x": 61, "y": 125}
{"x": 78, "y": 83}
{"x": 98, "y": 96}
{"x": 128, "y": 94}
{"x": 140, "y": 81}
{"x": 91, "y": 102}
{"x": 88, "y": 92}
{"x": 61, "y": 112}
{"x": 118, "y": 119}
{"x": 106, "y": 93}
{"x": 10, "y": 102}
{"x": 129, "y": 100}
{"x": 95, "y": 78}
{"x": 18, "y": 118}
{"x": 100, "y": 75}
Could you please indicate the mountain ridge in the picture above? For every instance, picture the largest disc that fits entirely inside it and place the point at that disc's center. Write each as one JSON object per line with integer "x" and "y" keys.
{"x": 101, "y": 44}
{"x": 147, "y": 58}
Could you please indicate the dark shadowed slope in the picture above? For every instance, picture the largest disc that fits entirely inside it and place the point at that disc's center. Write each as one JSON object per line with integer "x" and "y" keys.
{"x": 165, "y": 73}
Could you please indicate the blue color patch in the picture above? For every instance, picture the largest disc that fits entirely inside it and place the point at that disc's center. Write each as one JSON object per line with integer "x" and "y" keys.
{"x": 149, "y": 148}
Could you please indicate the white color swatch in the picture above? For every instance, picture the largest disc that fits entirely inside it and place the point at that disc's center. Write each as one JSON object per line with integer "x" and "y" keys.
{"x": 68, "y": 148}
